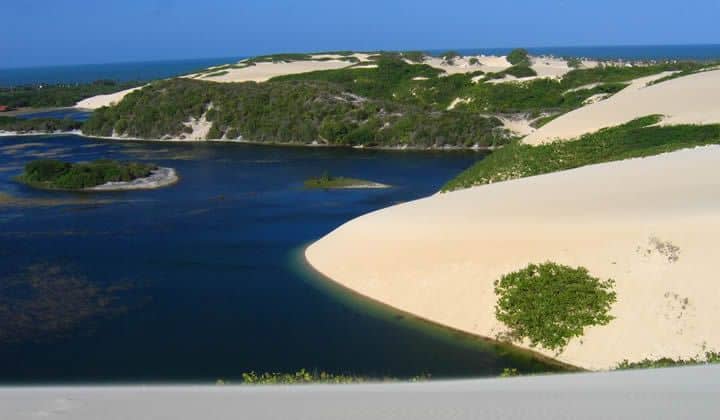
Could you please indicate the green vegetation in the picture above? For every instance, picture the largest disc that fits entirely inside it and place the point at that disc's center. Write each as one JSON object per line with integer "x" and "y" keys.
{"x": 293, "y": 110}
{"x": 414, "y": 56}
{"x": 217, "y": 73}
{"x": 327, "y": 181}
{"x": 710, "y": 358}
{"x": 55, "y": 174}
{"x": 42, "y": 96}
{"x": 43, "y": 125}
{"x": 518, "y": 56}
{"x": 396, "y": 104}
{"x": 688, "y": 71}
{"x": 636, "y": 138}
{"x": 549, "y": 304}
{"x": 574, "y": 62}
{"x": 306, "y": 377}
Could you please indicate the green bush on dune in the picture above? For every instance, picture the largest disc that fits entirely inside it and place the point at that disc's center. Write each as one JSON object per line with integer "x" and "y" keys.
{"x": 549, "y": 303}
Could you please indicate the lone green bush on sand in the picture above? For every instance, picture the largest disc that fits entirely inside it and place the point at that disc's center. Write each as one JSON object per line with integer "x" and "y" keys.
{"x": 549, "y": 303}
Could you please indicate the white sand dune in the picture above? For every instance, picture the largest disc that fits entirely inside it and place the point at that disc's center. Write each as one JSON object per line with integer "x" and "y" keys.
{"x": 693, "y": 99}
{"x": 262, "y": 72}
{"x": 99, "y": 101}
{"x": 438, "y": 257}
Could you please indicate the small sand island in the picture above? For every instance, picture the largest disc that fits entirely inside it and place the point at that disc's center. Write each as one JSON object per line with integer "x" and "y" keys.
{"x": 99, "y": 175}
{"x": 327, "y": 181}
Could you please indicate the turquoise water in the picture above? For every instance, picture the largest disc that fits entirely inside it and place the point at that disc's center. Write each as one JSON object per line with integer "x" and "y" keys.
{"x": 205, "y": 279}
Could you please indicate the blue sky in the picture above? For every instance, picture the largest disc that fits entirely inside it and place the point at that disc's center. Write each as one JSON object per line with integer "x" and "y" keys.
{"x": 44, "y": 32}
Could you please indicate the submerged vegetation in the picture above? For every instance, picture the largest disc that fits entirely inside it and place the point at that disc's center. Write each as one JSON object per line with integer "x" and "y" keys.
{"x": 59, "y": 95}
{"x": 549, "y": 303}
{"x": 46, "y": 301}
{"x": 55, "y": 174}
{"x": 637, "y": 138}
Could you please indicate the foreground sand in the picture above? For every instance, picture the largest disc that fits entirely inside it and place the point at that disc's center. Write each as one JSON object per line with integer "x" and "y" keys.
{"x": 657, "y": 394}
{"x": 438, "y": 257}
{"x": 693, "y": 99}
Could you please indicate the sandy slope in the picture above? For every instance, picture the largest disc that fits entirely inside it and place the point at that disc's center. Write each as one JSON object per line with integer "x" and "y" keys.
{"x": 98, "y": 101}
{"x": 438, "y": 257}
{"x": 693, "y": 99}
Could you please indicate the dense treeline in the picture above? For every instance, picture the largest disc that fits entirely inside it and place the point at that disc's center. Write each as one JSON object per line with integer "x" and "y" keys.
{"x": 396, "y": 103}
{"x": 55, "y": 174}
{"x": 289, "y": 111}
{"x": 45, "y": 125}
{"x": 39, "y": 96}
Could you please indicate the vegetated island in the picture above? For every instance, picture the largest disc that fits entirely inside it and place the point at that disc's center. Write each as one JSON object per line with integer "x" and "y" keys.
{"x": 99, "y": 175}
{"x": 327, "y": 181}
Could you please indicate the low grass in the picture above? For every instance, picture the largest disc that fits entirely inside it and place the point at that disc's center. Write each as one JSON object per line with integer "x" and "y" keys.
{"x": 217, "y": 73}
{"x": 710, "y": 358}
{"x": 637, "y": 138}
{"x": 304, "y": 376}
{"x": 549, "y": 303}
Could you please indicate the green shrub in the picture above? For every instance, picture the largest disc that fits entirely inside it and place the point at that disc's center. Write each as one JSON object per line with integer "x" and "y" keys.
{"x": 549, "y": 304}
{"x": 54, "y": 174}
{"x": 636, "y": 138}
{"x": 710, "y": 357}
{"x": 518, "y": 56}
{"x": 520, "y": 70}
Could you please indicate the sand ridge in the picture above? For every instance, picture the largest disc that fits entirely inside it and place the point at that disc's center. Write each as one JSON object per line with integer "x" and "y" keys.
{"x": 692, "y": 99}
{"x": 438, "y": 257}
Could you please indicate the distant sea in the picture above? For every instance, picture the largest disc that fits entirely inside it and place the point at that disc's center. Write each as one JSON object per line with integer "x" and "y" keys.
{"x": 121, "y": 72}
{"x": 151, "y": 70}
{"x": 627, "y": 52}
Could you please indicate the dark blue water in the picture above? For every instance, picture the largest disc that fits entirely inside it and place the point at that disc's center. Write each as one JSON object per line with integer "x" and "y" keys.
{"x": 218, "y": 283}
{"x": 123, "y": 72}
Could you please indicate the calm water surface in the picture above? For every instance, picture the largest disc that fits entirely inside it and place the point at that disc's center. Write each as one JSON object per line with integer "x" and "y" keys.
{"x": 203, "y": 280}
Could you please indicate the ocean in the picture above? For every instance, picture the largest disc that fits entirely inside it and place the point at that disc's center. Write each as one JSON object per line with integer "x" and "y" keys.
{"x": 151, "y": 70}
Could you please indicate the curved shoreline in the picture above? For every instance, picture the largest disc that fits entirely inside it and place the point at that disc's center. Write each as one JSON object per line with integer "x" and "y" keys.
{"x": 437, "y": 257}
{"x": 363, "y": 299}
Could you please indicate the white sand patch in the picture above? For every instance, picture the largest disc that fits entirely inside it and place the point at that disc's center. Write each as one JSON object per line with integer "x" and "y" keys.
{"x": 458, "y": 101}
{"x": 262, "y": 72}
{"x": 200, "y": 128}
{"x": 438, "y": 257}
{"x": 519, "y": 125}
{"x": 99, "y": 101}
{"x": 487, "y": 64}
{"x": 160, "y": 177}
{"x": 690, "y": 99}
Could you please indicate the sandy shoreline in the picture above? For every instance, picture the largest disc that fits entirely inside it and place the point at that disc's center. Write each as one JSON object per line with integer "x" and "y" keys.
{"x": 438, "y": 257}
{"x": 160, "y": 177}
